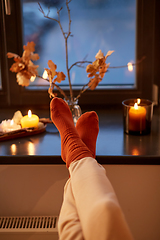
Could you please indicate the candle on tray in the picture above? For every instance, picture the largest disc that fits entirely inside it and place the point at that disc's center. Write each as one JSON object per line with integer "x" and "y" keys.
{"x": 137, "y": 115}
{"x": 30, "y": 120}
{"x": 9, "y": 125}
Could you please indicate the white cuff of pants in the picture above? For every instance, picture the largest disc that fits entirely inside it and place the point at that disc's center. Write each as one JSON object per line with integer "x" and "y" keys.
{"x": 90, "y": 209}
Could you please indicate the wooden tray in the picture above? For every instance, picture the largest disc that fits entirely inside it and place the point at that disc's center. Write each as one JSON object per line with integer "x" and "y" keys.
{"x": 23, "y": 132}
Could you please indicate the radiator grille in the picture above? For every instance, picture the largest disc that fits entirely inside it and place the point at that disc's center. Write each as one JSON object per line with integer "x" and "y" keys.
{"x": 29, "y": 224}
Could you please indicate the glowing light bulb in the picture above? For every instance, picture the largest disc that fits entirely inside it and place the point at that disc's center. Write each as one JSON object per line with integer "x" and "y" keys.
{"x": 32, "y": 78}
{"x": 130, "y": 67}
{"x": 45, "y": 74}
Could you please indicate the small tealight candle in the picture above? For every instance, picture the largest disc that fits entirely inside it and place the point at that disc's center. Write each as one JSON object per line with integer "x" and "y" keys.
{"x": 137, "y": 115}
{"x": 137, "y": 118}
{"x": 30, "y": 120}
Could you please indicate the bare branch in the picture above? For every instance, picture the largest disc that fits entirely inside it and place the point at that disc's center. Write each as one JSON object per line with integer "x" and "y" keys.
{"x": 40, "y": 8}
{"x": 69, "y": 17}
{"x": 133, "y": 64}
{"x": 78, "y": 62}
{"x": 48, "y": 12}
{"x": 58, "y": 88}
{"x": 46, "y": 16}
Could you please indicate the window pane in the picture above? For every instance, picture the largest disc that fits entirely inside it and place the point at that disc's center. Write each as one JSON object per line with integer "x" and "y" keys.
{"x": 96, "y": 24}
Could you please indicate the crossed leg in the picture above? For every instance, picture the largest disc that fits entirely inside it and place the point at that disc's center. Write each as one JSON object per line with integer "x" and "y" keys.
{"x": 90, "y": 209}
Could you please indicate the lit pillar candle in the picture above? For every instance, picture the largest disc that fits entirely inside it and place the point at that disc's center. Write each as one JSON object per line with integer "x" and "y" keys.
{"x": 30, "y": 120}
{"x": 137, "y": 118}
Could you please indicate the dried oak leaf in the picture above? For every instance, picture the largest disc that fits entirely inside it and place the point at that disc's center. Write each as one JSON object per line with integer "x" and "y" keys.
{"x": 91, "y": 69}
{"x": 94, "y": 82}
{"x": 101, "y": 62}
{"x": 32, "y": 68}
{"x": 108, "y": 54}
{"x": 12, "y": 55}
{"x": 34, "y": 56}
{"x": 103, "y": 69}
{"x": 28, "y": 52}
{"x": 60, "y": 77}
{"x": 26, "y": 56}
{"x": 30, "y": 47}
{"x": 53, "y": 68}
{"x": 23, "y": 78}
{"x": 99, "y": 55}
{"x": 17, "y": 67}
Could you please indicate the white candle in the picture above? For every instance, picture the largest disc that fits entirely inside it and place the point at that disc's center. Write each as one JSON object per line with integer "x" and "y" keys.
{"x": 9, "y": 125}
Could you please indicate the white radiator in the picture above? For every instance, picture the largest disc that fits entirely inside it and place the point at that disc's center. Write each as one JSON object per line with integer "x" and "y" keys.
{"x": 28, "y": 228}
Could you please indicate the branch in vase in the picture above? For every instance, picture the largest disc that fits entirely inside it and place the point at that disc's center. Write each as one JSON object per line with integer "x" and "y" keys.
{"x": 66, "y": 36}
{"x": 58, "y": 88}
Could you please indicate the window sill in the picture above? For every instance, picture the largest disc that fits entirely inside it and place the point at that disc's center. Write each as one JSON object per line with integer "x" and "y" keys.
{"x": 113, "y": 145}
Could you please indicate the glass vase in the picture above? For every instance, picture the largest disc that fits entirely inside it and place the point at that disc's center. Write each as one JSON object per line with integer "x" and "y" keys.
{"x": 75, "y": 109}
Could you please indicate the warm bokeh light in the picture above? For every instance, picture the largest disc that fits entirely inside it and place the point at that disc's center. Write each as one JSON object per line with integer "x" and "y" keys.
{"x": 13, "y": 149}
{"x": 130, "y": 67}
{"x": 31, "y": 148}
{"x": 45, "y": 75}
{"x": 32, "y": 78}
{"x": 135, "y": 152}
{"x": 138, "y": 100}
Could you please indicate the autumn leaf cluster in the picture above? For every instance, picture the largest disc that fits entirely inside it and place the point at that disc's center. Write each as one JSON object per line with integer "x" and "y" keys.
{"x": 97, "y": 69}
{"x": 26, "y": 70}
{"x": 54, "y": 77}
{"x": 24, "y": 66}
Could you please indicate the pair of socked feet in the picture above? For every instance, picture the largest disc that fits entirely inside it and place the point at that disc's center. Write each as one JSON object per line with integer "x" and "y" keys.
{"x": 77, "y": 141}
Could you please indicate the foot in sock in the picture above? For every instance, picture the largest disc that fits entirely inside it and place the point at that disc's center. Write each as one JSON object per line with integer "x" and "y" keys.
{"x": 88, "y": 128}
{"x": 72, "y": 147}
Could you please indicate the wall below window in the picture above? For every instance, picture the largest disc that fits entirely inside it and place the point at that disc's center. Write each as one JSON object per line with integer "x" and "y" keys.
{"x": 32, "y": 190}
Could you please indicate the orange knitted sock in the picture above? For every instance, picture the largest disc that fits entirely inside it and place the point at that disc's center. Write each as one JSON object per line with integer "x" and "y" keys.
{"x": 72, "y": 147}
{"x": 88, "y": 128}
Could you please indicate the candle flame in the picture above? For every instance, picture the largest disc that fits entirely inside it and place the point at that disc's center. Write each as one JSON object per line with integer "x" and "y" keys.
{"x": 29, "y": 113}
{"x": 45, "y": 74}
{"x": 136, "y": 106}
{"x": 130, "y": 67}
{"x": 12, "y": 122}
{"x": 138, "y": 100}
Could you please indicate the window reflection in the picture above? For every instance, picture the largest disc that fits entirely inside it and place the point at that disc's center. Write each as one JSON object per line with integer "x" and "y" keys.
{"x": 13, "y": 149}
{"x": 135, "y": 152}
{"x": 31, "y": 148}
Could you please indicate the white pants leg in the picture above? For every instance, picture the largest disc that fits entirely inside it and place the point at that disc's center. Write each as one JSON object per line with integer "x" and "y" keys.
{"x": 95, "y": 204}
{"x": 69, "y": 226}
